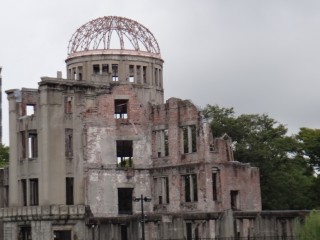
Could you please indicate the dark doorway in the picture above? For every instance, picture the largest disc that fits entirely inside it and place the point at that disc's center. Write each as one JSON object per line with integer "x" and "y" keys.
{"x": 62, "y": 235}
{"x": 124, "y": 232}
{"x": 25, "y": 233}
{"x": 125, "y": 200}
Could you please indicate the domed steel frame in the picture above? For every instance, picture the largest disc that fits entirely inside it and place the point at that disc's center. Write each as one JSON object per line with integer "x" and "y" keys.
{"x": 97, "y": 34}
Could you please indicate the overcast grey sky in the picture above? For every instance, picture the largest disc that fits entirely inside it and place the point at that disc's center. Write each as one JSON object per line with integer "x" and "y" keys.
{"x": 258, "y": 56}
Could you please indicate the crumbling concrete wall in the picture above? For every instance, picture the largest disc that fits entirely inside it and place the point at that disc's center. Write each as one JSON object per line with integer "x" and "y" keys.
{"x": 211, "y": 155}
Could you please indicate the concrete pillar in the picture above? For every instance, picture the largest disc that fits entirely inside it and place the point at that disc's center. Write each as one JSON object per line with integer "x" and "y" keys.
{"x": 14, "y": 96}
{"x": 212, "y": 228}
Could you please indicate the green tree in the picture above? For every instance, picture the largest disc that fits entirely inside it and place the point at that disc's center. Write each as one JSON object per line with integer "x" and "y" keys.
{"x": 310, "y": 142}
{"x": 286, "y": 178}
{"x": 4, "y": 156}
{"x": 310, "y": 230}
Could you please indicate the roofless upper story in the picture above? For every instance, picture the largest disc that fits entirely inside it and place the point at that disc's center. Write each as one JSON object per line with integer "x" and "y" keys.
{"x": 115, "y": 50}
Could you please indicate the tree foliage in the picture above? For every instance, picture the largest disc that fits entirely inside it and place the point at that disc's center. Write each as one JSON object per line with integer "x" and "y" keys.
{"x": 286, "y": 178}
{"x": 310, "y": 230}
{"x": 310, "y": 140}
{"x": 4, "y": 156}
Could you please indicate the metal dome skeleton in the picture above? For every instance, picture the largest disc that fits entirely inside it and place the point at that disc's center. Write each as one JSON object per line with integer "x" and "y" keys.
{"x": 97, "y": 35}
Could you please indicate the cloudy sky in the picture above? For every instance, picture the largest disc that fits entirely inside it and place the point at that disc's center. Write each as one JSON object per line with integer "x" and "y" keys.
{"x": 258, "y": 56}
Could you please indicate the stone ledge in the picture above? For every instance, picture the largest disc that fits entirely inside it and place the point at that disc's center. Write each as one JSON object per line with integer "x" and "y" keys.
{"x": 43, "y": 212}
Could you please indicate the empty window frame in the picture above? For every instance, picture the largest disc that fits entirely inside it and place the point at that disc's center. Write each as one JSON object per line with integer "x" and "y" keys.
{"x": 131, "y": 73}
{"x": 124, "y": 153}
{"x": 69, "y": 191}
{"x": 138, "y": 72}
{"x": 161, "y": 185}
{"x": 23, "y": 145}
{"x": 189, "y": 135}
{"x": 125, "y": 200}
{"x": 121, "y": 108}
{"x": 30, "y": 109}
{"x": 74, "y": 74}
{"x": 69, "y": 142}
{"x": 32, "y": 145}
{"x": 115, "y": 76}
{"x": 79, "y": 77}
{"x": 234, "y": 197}
{"x": 214, "y": 185}
{"x": 156, "y": 77}
{"x": 189, "y": 230}
{"x": 190, "y": 188}
{"x": 23, "y": 183}
{"x": 34, "y": 192}
{"x": 6, "y": 196}
{"x": 160, "y": 78}
{"x": 68, "y": 104}
{"x": 96, "y": 69}
{"x": 25, "y": 233}
{"x": 62, "y": 235}
{"x": 105, "y": 68}
{"x": 211, "y": 147}
{"x": 144, "y": 74}
{"x": 162, "y": 143}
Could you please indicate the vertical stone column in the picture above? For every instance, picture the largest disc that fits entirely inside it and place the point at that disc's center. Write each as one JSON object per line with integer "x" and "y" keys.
{"x": 14, "y": 97}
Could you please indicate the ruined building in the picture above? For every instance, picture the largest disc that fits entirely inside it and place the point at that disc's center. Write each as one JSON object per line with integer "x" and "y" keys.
{"x": 83, "y": 147}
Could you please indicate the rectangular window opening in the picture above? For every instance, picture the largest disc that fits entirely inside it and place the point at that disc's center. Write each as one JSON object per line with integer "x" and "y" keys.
{"x": 34, "y": 192}
{"x": 68, "y": 104}
{"x": 25, "y": 233}
{"x": 138, "y": 74}
{"x": 191, "y": 188}
{"x": 131, "y": 73}
{"x": 24, "y": 192}
{"x": 30, "y": 109}
{"x": 96, "y": 69}
{"x": 144, "y": 74}
{"x": 189, "y": 230}
{"x": 69, "y": 142}
{"x": 193, "y": 138}
{"x": 189, "y": 136}
{"x": 185, "y": 139}
{"x": 124, "y": 154}
{"x": 121, "y": 108}
{"x": 74, "y": 74}
{"x": 105, "y": 68}
{"x": 166, "y": 142}
{"x": 33, "y": 145}
{"x": 214, "y": 186}
{"x": 234, "y": 195}
{"x": 162, "y": 190}
{"x": 162, "y": 142}
{"x": 69, "y": 191}
{"x": 79, "y": 73}
{"x": 62, "y": 235}
{"x": 125, "y": 200}
{"x": 160, "y": 78}
{"x": 115, "y": 76}
{"x": 6, "y": 196}
{"x": 156, "y": 77}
